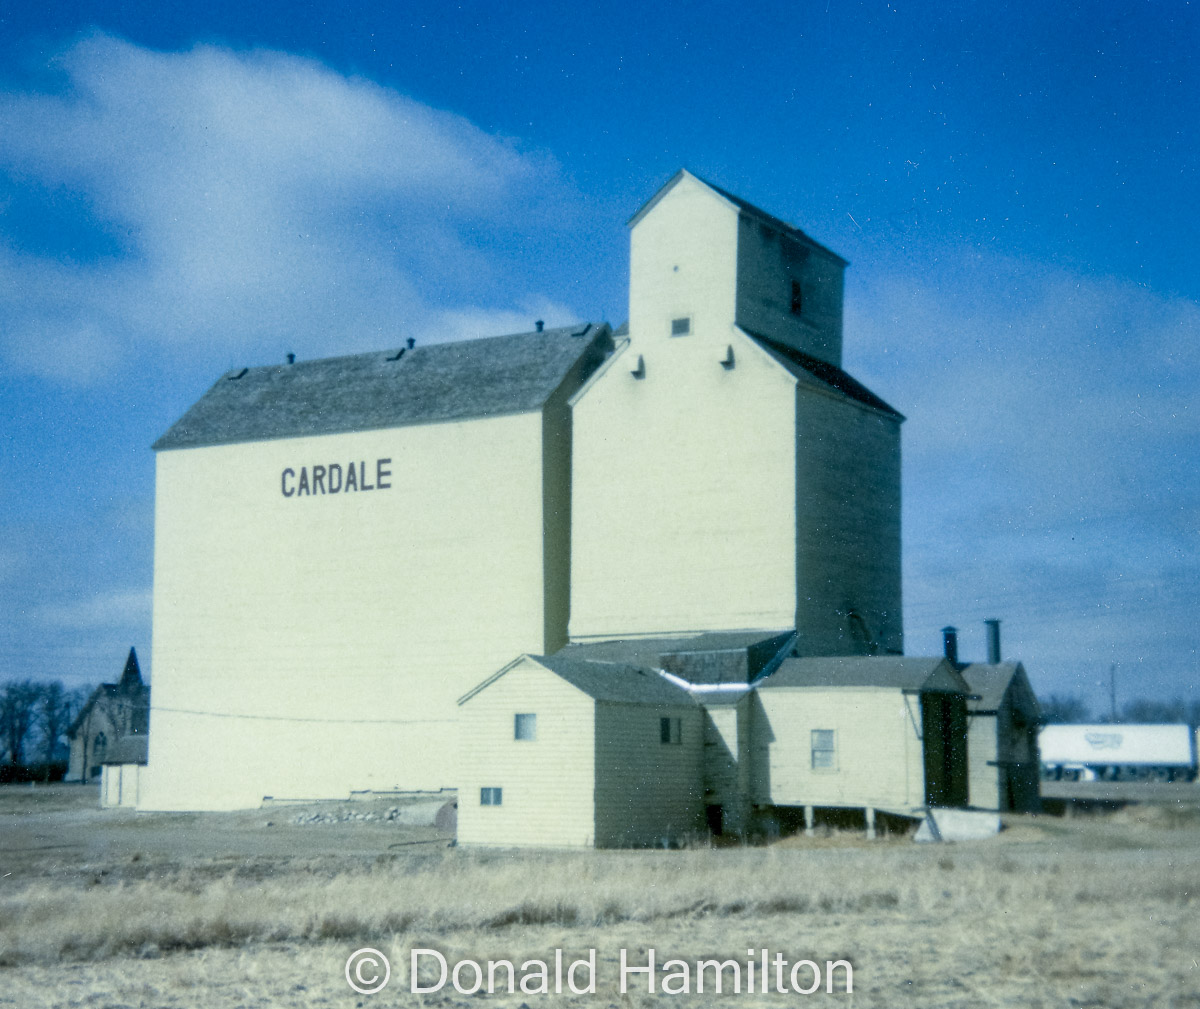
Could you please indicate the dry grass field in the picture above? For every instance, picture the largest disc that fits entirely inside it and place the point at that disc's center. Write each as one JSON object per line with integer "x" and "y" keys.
{"x": 116, "y": 909}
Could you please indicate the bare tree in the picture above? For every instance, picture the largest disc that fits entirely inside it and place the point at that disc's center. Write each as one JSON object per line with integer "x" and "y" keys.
{"x": 56, "y": 709}
{"x": 1058, "y": 708}
{"x": 18, "y": 710}
{"x": 1140, "y": 709}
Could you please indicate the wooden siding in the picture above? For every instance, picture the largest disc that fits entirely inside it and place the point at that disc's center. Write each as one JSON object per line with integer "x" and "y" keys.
{"x": 878, "y": 748}
{"x": 308, "y": 646}
{"x": 647, "y": 791}
{"x": 683, "y": 480}
{"x": 768, "y": 263}
{"x": 547, "y": 782}
{"x": 981, "y": 762}
{"x": 847, "y": 528}
{"x": 1004, "y": 765}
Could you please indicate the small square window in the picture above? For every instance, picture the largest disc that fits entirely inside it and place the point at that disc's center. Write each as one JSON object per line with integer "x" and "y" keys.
{"x": 525, "y": 727}
{"x": 797, "y": 298}
{"x": 670, "y": 730}
{"x": 681, "y": 327}
{"x": 490, "y": 796}
{"x": 824, "y": 749}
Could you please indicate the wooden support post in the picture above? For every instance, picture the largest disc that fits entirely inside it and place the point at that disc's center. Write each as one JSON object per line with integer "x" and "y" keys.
{"x": 870, "y": 823}
{"x": 808, "y": 821}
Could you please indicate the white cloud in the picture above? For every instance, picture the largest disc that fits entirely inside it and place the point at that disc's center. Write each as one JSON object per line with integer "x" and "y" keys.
{"x": 116, "y": 609}
{"x": 1049, "y": 454}
{"x": 250, "y": 197}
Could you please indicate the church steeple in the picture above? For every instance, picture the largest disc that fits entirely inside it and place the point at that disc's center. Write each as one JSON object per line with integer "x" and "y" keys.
{"x": 131, "y": 678}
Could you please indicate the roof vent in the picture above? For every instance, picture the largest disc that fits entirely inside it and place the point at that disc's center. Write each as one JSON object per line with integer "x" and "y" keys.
{"x": 541, "y": 325}
{"x": 234, "y": 378}
{"x": 396, "y": 356}
{"x": 993, "y": 641}
{"x": 291, "y": 358}
{"x": 639, "y": 367}
{"x": 411, "y": 343}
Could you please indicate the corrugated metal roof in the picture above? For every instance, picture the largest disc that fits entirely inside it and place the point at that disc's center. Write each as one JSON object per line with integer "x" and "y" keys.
{"x": 383, "y": 389}
{"x": 888, "y": 671}
{"x": 616, "y": 682}
{"x": 810, "y": 368}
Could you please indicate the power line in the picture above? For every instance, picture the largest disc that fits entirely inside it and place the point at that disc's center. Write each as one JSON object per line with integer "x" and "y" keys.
{"x": 322, "y": 721}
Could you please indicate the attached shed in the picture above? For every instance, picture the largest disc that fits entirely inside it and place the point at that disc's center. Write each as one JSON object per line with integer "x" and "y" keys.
{"x": 570, "y": 752}
{"x": 121, "y": 772}
{"x": 1002, "y": 738}
{"x": 883, "y": 732}
{"x": 718, "y": 669}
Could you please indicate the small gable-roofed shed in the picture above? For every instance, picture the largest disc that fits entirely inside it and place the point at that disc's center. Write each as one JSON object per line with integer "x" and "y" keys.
{"x": 571, "y": 752}
{"x": 1003, "y": 722}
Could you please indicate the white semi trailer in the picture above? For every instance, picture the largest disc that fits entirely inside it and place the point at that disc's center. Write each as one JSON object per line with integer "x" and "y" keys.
{"x": 1118, "y": 753}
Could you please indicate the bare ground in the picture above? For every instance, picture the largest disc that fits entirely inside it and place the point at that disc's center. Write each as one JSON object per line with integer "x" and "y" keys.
{"x": 116, "y": 909}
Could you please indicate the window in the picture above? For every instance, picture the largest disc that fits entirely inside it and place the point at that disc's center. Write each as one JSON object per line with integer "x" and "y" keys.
{"x": 797, "y": 298}
{"x": 670, "y": 730}
{"x": 681, "y": 327}
{"x": 525, "y": 727}
{"x": 490, "y": 796}
{"x": 824, "y": 749}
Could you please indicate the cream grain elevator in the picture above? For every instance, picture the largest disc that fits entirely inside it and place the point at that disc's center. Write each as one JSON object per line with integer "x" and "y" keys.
{"x": 498, "y": 565}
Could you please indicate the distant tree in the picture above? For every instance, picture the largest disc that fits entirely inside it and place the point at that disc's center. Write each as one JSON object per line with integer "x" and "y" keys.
{"x": 18, "y": 713}
{"x": 1141, "y": 709}
{"x": 1059, "y": 708}
{"x": 56, "y": 709}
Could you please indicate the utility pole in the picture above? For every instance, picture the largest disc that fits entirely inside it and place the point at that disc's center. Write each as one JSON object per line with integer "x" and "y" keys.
{"x": 1112, "y": 690}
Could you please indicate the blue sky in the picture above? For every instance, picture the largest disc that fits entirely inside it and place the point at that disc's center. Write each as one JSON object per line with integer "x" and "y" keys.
{"x": 185, "y": 188}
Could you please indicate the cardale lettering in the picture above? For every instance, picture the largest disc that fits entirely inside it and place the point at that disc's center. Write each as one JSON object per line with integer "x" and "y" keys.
{"x": 334, "y": 478}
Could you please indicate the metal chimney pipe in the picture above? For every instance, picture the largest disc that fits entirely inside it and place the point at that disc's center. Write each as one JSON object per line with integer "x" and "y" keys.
{"x": 993, "y": 636}
{"x": 950, "y": 644}
{"x": 540, "y": 325}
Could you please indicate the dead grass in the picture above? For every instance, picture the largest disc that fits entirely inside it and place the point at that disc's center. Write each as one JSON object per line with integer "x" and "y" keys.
{"x": 463, "y": 891}
{"x": 1099, "y": 911}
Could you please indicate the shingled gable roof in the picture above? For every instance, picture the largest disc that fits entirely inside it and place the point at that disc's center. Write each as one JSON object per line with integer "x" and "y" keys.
{"x": 616, "y": 682}
{"x": 885, "y": 671}
{"x": 743, "y": 207}
{"x": 435, "y": 382}
{"x": 991, "y": 682}
{"x": 809, "y": 368}
{"x": 610, "y": 682}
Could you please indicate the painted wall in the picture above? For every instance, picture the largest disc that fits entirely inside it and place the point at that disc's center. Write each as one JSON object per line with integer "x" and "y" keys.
{"x": 879, "y": 759}
{"x": 647, "y": 790}
{"x": 981, "y": 761}
{"x": 119, "y": 784}
{"x": 306, "y": 646}
{"x": 683, "y": 477}
{"x": 547, "y": 783}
